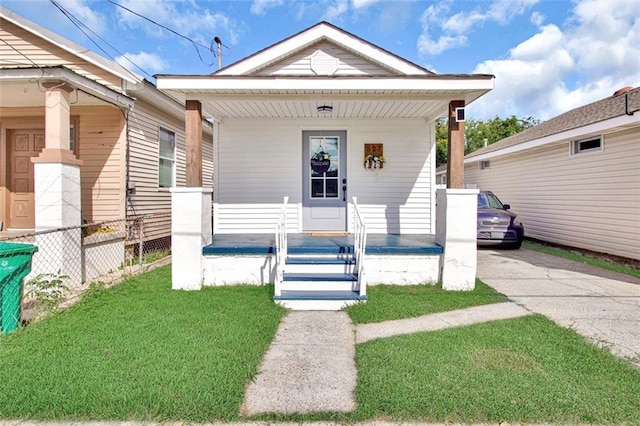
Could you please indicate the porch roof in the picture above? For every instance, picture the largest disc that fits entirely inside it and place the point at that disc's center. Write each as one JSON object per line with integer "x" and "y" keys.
{"x": 379, "y": 97}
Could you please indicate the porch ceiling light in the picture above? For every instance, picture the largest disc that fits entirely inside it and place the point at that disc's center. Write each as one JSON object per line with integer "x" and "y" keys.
{"x": 325, "y": 109}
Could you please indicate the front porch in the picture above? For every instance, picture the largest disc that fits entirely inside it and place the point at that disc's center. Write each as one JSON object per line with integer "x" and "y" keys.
{"x": 309, "y": 243}
{"x": 320, "y": 270}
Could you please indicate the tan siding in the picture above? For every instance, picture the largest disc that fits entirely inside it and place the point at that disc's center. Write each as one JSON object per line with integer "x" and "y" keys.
{"x": 101, "y": 141}
{"x": 144, "y": 125}
{"x": 300, "y": 63}
{"x": 589, "y": 201}
{"x": 260, "y": 162}
{"x": 44, "y": 53}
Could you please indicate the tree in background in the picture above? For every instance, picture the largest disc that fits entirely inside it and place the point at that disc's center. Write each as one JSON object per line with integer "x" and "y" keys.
{"x": 476, "y": 131}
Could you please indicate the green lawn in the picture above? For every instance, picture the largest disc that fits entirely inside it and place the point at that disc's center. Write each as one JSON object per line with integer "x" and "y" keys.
{"x": 390, "y": 302}
{"x": 140, "y": 351}
{"x": 520, "y": 370}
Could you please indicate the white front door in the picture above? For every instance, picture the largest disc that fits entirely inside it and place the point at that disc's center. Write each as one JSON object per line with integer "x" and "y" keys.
{"x": 324, "y": 171}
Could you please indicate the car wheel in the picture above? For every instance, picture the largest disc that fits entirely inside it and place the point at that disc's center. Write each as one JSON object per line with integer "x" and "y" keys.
{"x": 517, "y": 244}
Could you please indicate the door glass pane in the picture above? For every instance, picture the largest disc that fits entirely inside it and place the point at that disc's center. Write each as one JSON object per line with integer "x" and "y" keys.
{"x": 324, "y": 158}
{"x": 332, "y": 188}
{"x": 317, "y": 188}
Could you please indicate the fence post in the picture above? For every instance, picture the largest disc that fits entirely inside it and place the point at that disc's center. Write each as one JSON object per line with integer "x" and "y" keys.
{"x": 140, "y": 241}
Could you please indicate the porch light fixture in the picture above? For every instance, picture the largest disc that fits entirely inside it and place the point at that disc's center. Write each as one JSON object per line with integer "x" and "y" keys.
{"x": 325, "y": 109}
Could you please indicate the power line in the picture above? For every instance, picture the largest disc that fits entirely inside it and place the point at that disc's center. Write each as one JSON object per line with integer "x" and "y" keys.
{"x": 20, "y": 53}
{"x": 195, "y": 43}
{"x": 80, "y": 25}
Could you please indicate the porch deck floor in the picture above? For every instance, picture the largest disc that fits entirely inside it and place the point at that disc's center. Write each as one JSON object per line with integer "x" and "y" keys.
{"x": 305, "y": 243}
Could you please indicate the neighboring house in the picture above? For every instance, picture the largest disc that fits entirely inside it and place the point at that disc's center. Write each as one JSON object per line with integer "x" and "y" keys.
{"x": 574, "y": 179}
{"x": 124, "y": 137}
{"x": 298, "y": 120}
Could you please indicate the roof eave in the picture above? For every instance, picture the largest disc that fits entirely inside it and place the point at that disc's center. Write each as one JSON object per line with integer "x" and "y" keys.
{"x": 188, "y": 84}
{"x": 602, "y": 127}
{"x": 69, "y": 46}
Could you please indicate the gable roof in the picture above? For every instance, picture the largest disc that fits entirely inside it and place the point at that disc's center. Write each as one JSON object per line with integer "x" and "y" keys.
{"x": 69, "y": 46}
{"x": 593, "y": 118}
{"x": 367, "y": 82}
{"x": 130, "y": 84}
{"x": 323, "y": 31}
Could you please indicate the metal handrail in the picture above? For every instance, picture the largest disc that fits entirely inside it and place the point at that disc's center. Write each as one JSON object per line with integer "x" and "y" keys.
{"x": 281, "y": 246}
{"x": 360, "y": 243}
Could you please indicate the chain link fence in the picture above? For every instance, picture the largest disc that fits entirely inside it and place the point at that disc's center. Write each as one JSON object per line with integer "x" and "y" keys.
{"x": 40, "y": 270}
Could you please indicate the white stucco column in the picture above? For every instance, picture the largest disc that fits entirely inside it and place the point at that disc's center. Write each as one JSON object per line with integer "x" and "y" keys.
{"x": 57, "y": 192}
{"x": 190, "y": 231}
{"x": 456, "y": 231}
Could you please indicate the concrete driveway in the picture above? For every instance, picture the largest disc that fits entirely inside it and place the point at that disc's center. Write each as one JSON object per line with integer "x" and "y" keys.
{"x": 601, "y": 305}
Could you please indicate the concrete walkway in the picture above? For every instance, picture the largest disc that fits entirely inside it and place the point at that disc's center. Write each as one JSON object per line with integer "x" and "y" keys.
{"x": 309, "y": 367}
{"x": 439, "y": 321}
{"x": 601, "y": 305}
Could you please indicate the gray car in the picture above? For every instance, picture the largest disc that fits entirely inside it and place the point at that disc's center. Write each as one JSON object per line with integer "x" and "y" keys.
{"x": 496, "y": 224}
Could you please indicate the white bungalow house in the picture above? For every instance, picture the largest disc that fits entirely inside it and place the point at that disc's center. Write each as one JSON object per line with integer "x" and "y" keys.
{"x": 82, "y": 138}
{"x": 331, "y": 140}
{"x": 573, "y": 179}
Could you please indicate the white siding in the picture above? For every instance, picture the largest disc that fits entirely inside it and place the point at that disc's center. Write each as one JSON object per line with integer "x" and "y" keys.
{"x": 589, "y": 201}
{"x": 347, "y": 63}
{"x": 259, "y": 162}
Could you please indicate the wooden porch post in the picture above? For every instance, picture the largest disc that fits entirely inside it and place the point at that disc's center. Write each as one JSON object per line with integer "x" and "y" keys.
{"x": 193, "y": 136}
{"x": 455, "y": 148}
{"x": 190, "y": 210}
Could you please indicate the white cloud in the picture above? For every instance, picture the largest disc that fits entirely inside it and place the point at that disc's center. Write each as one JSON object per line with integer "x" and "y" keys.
{"x": 538, "y": 47}
{"x": 186, "y": 18}
{"x": 259, "y": 7}
{"x": 358, "y": 4}
{"x": 84, "y": 13}
{"x": 537, "y": 19}
{"x": 561, "y": 68}
{"x": 150, "y": 62}
{"x": 453, "y": 30}
{"x": 336, "y": 10}
{"x": 435, "y": 47}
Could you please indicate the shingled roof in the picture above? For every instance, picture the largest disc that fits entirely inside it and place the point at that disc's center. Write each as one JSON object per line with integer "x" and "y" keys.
{"x": 604, "y": 109}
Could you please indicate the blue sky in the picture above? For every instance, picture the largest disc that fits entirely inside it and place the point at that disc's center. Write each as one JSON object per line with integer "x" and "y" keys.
{"x": 548, "y": 56}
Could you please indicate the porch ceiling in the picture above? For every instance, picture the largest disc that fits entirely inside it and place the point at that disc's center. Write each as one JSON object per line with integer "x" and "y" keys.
{"x": 31, "y": 94}
{"x": 299, "y": 98}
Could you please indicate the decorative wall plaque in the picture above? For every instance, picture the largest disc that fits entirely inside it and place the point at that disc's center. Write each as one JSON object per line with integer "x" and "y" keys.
{"x": 374, "y": 156}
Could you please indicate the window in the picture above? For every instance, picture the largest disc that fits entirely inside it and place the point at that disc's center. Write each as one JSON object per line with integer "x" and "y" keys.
{"x": 73, "y": 136}
{"x": 166, "y": 158}
{"x": 485, "y": 164}
{"x": 587, "y": 145}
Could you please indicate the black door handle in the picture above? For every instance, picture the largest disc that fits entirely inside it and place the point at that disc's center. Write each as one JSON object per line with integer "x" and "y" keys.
{"x": 344, "y": 191}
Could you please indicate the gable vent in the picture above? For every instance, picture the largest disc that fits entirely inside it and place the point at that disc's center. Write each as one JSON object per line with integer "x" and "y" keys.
{"x": 323, "y": 63}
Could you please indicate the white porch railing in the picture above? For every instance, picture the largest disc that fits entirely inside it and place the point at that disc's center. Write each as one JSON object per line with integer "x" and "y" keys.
{"x": 360, "y": 242}
{"x": 281, "y": 247}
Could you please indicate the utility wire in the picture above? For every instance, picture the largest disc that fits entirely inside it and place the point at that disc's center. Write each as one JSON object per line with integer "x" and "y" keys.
{"x": 193, "y": 42}
{"x": 20, "y": 53}
{"x": 80, "y": 25}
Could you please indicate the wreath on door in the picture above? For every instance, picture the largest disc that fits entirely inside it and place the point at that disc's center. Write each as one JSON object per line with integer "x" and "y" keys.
{"x": 320, "y": 162}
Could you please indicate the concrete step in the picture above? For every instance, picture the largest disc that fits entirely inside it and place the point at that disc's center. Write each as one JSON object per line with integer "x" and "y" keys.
{"x": 320, "y": 264}
{"x": 317, "y": 300}
{"x": 320, "y": 282}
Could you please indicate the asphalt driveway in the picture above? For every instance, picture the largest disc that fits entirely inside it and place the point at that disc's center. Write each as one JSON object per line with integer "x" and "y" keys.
{"x": 601, "y": 305}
